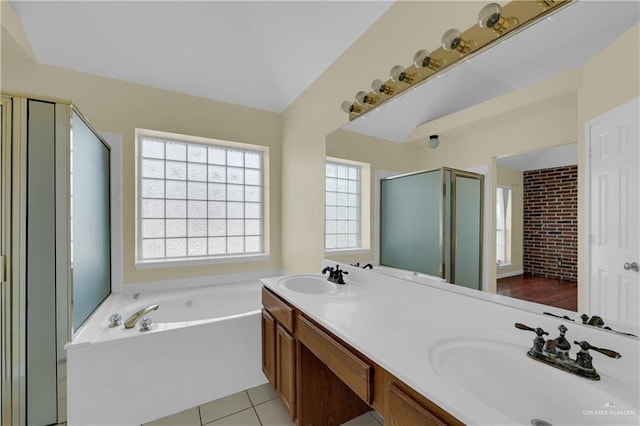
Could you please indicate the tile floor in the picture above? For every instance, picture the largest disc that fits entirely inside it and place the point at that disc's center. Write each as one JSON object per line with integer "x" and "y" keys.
{"x": 258, "y": 406}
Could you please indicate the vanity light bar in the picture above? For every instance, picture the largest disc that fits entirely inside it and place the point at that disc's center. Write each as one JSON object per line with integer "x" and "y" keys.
{"x": 494, "y": 23}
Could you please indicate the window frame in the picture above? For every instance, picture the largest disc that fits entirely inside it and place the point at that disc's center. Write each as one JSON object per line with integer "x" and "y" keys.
{"x": 506, "y": 229}
{"x": 262, "y": 255}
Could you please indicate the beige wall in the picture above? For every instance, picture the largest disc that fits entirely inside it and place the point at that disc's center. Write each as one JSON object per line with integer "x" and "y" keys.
{"x": 513, "y": 178}
{"x": 119, "y": 107}
{"x": 381, "y": 155}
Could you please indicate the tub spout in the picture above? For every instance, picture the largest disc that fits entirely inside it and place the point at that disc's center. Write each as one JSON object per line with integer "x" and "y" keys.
{"x": 133, "y": 319}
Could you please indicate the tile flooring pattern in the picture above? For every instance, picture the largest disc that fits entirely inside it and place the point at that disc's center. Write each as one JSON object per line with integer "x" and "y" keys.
{"x": 258, "y": 406}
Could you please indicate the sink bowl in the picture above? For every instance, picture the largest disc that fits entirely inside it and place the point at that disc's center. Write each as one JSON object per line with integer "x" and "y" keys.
{"x": 308, "y": 284}
{"x": 500, "y": 375}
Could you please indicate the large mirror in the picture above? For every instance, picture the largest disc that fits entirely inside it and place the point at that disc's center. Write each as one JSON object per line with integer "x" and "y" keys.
{"x": 497, "y": 137}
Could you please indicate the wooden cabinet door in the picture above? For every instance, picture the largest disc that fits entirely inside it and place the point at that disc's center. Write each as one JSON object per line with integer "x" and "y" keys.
{"x": 406, "y": 411}
{"x": 285, "y": 369}
{"x": 269, "y": 347}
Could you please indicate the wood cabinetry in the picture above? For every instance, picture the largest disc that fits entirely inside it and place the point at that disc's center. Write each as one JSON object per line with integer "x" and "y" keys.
{"x": 323, "y": 381}
{"x": 279, "y": 349}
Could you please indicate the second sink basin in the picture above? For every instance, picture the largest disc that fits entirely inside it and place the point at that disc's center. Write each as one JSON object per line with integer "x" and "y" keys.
{"x": 500, "y": 375}
{"x": 308, "y": 284}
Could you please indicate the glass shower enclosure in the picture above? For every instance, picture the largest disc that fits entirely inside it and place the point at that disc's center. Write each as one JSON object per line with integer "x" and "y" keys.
{"x": 56, "y": 224}
{"x": 431, "y": 222}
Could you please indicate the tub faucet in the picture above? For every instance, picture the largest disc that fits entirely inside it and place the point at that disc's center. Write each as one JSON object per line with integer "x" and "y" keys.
{"x": 133, "y": 319}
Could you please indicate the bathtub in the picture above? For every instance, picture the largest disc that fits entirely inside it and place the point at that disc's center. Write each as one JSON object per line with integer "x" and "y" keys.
{"x": 204, "y": 344}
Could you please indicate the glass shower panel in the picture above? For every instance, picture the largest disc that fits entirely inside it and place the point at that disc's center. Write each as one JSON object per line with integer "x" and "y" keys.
{"x": 90, "y": 220}
{"x": 468, "y": 231}
{"x": 410, "y": 228}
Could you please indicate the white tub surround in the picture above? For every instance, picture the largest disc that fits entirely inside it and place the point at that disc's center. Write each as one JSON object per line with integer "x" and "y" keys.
{"x": 465, "y": 355}
{"x": 204, "y": 344}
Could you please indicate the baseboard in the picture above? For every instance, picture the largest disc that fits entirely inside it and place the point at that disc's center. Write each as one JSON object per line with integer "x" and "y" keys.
{"x": 509, "y": 274}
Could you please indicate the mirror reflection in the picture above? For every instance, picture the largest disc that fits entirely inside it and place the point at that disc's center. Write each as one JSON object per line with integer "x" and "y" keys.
{"x": 490, "y": 138}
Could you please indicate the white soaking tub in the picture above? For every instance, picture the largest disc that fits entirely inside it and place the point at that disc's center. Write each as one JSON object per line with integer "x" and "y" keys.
{"x": 204, "y": 344}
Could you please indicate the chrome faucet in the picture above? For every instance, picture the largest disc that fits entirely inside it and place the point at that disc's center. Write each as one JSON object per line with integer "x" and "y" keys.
{"x": 133, "y": 319}
{"x": 556, "y": 353}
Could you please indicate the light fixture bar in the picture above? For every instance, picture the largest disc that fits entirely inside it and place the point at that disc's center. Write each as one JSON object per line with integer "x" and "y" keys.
{"x": 513, "y": 17}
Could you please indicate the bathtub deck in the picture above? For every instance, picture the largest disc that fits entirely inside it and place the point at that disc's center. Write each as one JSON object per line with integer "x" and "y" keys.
{"x": 256, "y": 406}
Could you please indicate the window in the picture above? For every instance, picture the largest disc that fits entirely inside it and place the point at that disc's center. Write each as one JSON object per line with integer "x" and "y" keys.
{"x": 503, "y": 225}
{"x": 198, "y": 198}
{"x": 343, "y": 205}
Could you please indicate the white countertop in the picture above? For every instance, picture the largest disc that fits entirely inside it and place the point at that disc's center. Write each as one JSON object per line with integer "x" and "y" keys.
{"x": 401, "y": 325}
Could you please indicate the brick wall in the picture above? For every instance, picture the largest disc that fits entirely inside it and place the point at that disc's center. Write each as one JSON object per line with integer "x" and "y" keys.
{"x": 551, "y": 223}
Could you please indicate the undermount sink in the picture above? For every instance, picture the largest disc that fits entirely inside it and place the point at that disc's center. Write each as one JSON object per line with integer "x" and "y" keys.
{"x": 500, "y": 375}
{"x": 308, "y": 284}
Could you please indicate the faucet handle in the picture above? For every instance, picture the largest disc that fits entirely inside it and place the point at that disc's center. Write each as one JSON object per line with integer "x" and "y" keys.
{"x": 540, "y": 332}
{"x": 115, "y": 320}
{"x": 145, "y": 324}
{"x": 585, "y": 346}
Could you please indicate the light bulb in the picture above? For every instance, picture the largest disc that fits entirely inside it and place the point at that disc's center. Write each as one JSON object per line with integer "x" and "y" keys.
{"x": 434, "y": 142}
{"x": 378, "y": 86}
{"x": 452, "y": 40}
{"x": 398, "y": 74}
{"x": 491, "y": 17}
{"x": 423, "y": 59}
{"x": 346, "y": 107}
{"x": 363, "y": 97}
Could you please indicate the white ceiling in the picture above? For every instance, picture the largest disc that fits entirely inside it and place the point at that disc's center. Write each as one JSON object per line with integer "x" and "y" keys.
{"x": 261, "y": 54}
{"x": 566, "y": 40}
{"x": 560, "y": 156}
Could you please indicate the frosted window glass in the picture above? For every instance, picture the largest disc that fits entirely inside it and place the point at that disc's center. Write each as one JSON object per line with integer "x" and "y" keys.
{"x": 252, "y": 244}
{"x": 175, "y": 209}
{"x": 176, "y": 247}
{"x": 197, "y": 209}
{"x": 153, "y": 228}
{"x": 217, "y": 227}
{"x": 197, "y": 246}
{"x": 197, "y": 191}
{"x": 235, "y": 158}
{"x": 235, "y": 210}
{"x": 252, "y": 210}
{"x": 252, "y": 193}
{"x": 176, "y": 228}
{"x": 235, "y": 227}
{"x": 235, "y": 192}
{"x": 151, "y": 208}
{"x": 152, "y": 188}
{"x": 217, "y": 209}
{"x": 330, "y": 241}
{"x": 235, "y": 175}
{"x": 217, "y": 156}
{"x": 193, "y": 196}
{"x": 197, "y": 227}
{"x": 91, "y": 265}
{"x": 176, "y": 189}
{"x": 152, "y": 168}
{"x": 332, "y": 170}
{"x": 217, "y": 174}
{"x": 331, "y": 227}
{"x": 196, "y": 154}
{"x": 197, "y": 172}
{"x": 252, "y": 160}
{"x": 252, "y": 227}
{"x": 235, "y": 244}
{"x": 153, "y": 149}
{"x": 152, "y": 249}
{"x": 217, "y": 245}
{"x": 176, "y": 170}
{"x": 176, "y": 151}
{"x": 217, "y": 191}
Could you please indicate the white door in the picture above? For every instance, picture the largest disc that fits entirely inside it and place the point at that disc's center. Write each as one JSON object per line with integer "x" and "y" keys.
{"x": 614, "y": 221}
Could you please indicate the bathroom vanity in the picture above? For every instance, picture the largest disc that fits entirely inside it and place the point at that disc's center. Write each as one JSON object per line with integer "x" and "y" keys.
{"x": 421, "y": 354}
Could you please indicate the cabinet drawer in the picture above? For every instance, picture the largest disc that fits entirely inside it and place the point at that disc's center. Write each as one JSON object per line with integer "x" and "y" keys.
{"x": 282, "y": 312}
{"x": 353, "y": 371}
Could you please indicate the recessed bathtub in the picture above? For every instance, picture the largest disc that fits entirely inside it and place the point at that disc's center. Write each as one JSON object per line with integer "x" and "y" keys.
{"x": 204, "y": 344}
